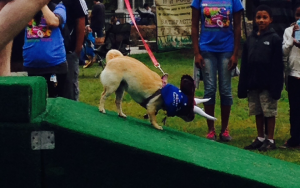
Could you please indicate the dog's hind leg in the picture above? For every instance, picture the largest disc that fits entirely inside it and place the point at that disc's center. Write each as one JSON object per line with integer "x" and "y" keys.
{"x": 102, "y": 101}
{"x": 119, "y": 96}
{"x": 108, "y": 90}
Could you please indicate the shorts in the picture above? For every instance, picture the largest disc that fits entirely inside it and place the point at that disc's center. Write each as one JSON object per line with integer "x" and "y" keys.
{"x": 260, "y": 102}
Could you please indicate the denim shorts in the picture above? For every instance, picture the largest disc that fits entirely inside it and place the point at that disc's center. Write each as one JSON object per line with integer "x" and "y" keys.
{"x": 216, "y": 66}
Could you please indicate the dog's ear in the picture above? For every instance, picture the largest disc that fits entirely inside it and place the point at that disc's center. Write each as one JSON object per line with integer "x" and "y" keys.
{"x": 164, "y": 80}
{"x": 187, "y": 85}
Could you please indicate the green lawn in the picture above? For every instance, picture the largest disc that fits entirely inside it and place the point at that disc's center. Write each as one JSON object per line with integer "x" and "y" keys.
{"x": 241, "y": 125}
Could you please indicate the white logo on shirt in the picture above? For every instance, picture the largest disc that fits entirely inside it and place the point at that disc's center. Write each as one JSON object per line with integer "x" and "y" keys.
{"x": 267, "y": 43}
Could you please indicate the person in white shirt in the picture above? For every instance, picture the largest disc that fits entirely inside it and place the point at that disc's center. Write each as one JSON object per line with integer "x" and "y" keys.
{"x": 291, "y": 49}
{"x": 148, "y": 9}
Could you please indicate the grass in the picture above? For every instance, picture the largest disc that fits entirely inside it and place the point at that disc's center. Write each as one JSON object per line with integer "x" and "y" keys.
{"x": 241, "y": 125}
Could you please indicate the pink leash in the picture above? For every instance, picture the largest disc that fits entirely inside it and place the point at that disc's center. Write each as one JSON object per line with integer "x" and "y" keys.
{"x": 156, "y": 64}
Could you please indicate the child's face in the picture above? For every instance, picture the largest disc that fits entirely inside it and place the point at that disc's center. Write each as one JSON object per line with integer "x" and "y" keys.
{"x": 297, "y": 13}
{"x": 263, "y": 20}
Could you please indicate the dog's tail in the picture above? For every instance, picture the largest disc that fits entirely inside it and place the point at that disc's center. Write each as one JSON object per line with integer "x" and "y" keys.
{"x": 111, "y": 54}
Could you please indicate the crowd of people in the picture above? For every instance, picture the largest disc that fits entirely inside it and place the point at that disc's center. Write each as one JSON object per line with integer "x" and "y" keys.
{"x": 55, "y": 32}
{"x": 262, "y": 71}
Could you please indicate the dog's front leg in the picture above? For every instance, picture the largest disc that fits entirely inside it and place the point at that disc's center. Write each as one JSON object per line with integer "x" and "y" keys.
{"x": 151, "y": 113}
{"x": 153, "y": 106}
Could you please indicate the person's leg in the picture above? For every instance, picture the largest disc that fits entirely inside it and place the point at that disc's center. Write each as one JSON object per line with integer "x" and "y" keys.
{"x": 255, "y": 109}
{"x": 209, "y": 73}
{"x": 61, "y": 79}
{"x": 269, "y": 107}
{"x": 5, "y": 60}
{"x": 71, "y": 90}
{"x": 294, "y": 102}
{"x": 259, "y": 141}
{"x": 224, "y": 76}
{"x": 52, "y": 90}
{"x": 271, "y": 127}
{"x": 266, "y": 126}
{"x": 269, "y": 143}
{"x": 260, "y": 122}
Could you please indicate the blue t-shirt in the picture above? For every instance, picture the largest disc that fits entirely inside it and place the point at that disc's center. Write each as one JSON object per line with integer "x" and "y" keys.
{"x": 174, "y": 99}
{"x": 216, "y": 28}
{"x": 44, "y": 46}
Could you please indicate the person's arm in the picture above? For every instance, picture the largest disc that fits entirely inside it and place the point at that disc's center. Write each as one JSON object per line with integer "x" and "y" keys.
{"x": 51, "y": 19}
{"x": 277, "y": 69}
{"x": 242, "y": 85}
{"x": 80, "y": 26}
{"x": 287, "y": 43}
{"x": 237, "y": 39}
{"x": 22, "y": 11}
{"x": 199, "y": 62}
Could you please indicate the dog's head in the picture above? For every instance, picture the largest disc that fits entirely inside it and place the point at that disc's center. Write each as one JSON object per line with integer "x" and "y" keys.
{"x": 187, "y": 86}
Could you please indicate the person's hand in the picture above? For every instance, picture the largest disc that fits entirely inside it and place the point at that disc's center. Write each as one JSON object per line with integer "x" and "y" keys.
{"x": 199, "y": 61}
{"x": 296, "y": 43}
{"x": 232, "y": 62}
{"x": 89, "y": 29}
{"x": 295, "y": 28}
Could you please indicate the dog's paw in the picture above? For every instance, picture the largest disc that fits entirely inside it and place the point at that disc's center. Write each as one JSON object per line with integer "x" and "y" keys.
{"x": 146, "y": 116}
{"x": 158, "y": 127}
{"x": 122, "y": 115}
{"x": 102, "y": 111}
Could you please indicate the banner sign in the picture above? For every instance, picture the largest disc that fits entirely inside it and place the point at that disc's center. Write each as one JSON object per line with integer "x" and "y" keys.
{"x": 174, "y": 24}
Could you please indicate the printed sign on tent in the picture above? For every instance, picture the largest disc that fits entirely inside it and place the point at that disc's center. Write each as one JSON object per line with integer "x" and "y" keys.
{"x": 174, "y": 22}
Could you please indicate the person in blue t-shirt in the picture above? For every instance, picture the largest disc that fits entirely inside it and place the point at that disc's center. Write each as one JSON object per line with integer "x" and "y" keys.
{"x": 44, "y": 51}
{"x": 216, "y": 53}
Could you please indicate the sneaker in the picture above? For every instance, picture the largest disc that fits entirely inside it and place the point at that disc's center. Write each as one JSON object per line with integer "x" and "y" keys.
{"x": 267, "y": 146}
{"x": 287, "y": 146}
{"x": 255, "y": 145}
{"x": 225, "y": 136}
{"x": 88, "y": 64}
{"x": 211, "y": 135}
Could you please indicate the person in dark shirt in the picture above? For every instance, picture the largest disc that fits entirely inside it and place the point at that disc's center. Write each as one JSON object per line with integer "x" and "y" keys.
{"x": 282, "y": 11}
{"x": 98, "y": 18}
{"x": 283, "y": 16}
{"x": 76, "y": 13}
{"x": 261, "y": 77}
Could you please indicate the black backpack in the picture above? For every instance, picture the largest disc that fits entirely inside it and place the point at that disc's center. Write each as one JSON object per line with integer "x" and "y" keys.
{"x": 66, "y": 34}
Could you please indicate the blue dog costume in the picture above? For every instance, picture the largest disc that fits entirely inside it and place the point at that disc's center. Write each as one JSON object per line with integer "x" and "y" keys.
{"x": 180, "y": 102}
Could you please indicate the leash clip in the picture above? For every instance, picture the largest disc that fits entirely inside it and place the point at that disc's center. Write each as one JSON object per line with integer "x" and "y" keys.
{"x": 161, "y": 70}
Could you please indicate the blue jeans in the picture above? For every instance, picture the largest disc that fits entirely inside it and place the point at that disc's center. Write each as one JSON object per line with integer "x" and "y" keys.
{"x": 216, "y": 63}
